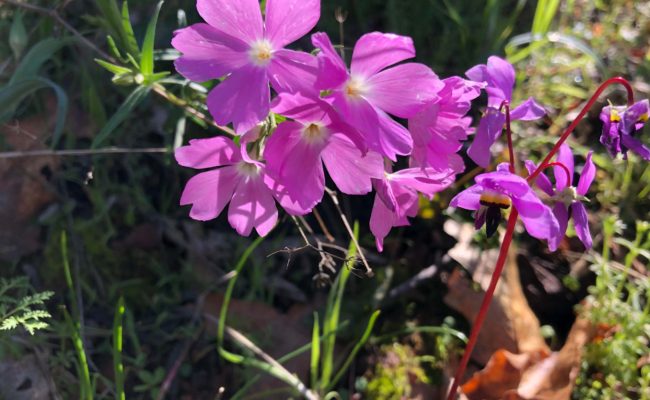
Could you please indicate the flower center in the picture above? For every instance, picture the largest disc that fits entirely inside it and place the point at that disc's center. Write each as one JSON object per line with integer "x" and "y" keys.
{"x": 315, "y": 133}
{"x": 355, "y": 88}
{"x": 643, "y": 117}
{"x": 247, "y": 169}
{"x": 567, "y": 196}
{"x": 494, "y": 199}
{"x": 261, "y": 52}
{"x": 614, "y": 116}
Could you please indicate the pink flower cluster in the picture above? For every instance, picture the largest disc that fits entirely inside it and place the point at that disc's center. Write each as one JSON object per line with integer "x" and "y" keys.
{"x": 341, "y": 121}
{"x": 335, "y": 119}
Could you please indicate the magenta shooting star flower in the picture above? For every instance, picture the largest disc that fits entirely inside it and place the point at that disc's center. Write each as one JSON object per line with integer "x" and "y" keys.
{"x": 370, "y": 90}
{"x": 297, "y": 150}
{"x": 499, "y": 75}
{"x": 620, "y": 124}
{"x": 499, "y": 190}
{"x": 440, "y": 128}
{"x": 568, "y": 198}
{"x": 397, "y": 198}
{"x": 236, "y": 43}
{"x": 235, "y": 179}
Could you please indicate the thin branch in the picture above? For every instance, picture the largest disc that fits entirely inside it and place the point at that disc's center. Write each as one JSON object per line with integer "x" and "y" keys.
{"x": 323, "y": 227}
{"x": 82, "y": 152}
{"x": 335, "y": 200}
{"x": 52, "y": 13}
{"x": 167, "y": 95}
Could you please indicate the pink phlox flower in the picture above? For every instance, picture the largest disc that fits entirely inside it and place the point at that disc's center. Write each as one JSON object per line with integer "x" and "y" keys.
{"x": 568, "y": 199}
{"x": 236, "y": 43}
{"x": 298, "y": 149}
{"x": 397, "y": 197}
{"x": 620, "y": 124}
{"x": 370, "y": 90}
{"x": 499, "y": 75}
{"x": 499, "y": 190}
{"x": 232, "y": 180}
{"x": 440, "y": 128}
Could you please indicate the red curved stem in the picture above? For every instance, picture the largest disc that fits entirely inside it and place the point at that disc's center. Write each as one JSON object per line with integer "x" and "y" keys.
{"x": 569, "y": 176}
{"x": 585, "y": 109}
{"x": 485, "y": 304}
{"x": 512, "y": 220}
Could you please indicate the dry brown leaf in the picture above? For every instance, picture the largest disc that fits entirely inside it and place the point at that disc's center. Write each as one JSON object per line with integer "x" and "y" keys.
{"x": 24, "y": 191}
{"x": 533, "y": 375}
{"x": 510, "y": 323}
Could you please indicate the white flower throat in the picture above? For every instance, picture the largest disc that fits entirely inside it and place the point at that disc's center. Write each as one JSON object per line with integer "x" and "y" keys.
{"x": 261, "y": 52}
{"x": 315, "y": 133}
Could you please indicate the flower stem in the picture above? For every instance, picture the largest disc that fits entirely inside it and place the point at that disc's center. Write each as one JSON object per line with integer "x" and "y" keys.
{"x": 585, "y": 109}
{"x": 485, "y": 304}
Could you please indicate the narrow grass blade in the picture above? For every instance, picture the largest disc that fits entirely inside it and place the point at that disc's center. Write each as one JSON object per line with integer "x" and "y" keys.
{"x": 118, "y": 366}
{"x": 121, "y": 114}
{"x": 36, "y": 57}
{"x": 355, "y": 350}
{"x": 315, "y": 351}
{"x": 333, "y": 311}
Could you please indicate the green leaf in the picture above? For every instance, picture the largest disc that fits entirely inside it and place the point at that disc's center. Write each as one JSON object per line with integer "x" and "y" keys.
{"x": 315, "y": 351}
{"x": 364, "y": 338}
{"x": 544, "y": 14}
{"x": 36, "y": 57}
{"x": 156, "y": 77}
{"x": 112, "y": 47}
{"x": 121, "y": 114}
{"x": 18, "y": 35}
{"x": 130, "y": 43}
{"x": 333, "y": 311}
{"x": 146, "y": 57}
{"x": 116, "y": 69}
{"x": 12, "y": 95}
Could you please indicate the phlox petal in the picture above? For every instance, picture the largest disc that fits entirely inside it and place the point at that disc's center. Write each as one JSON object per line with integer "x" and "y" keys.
{"x": 332, "y": 71}
{"x": 423, "y": 180}
{"x": 209, "y": 192}
{"x": 208, "y": 153}
{"x": 207, "y": 53}
{"x": 242, "y": 98}
{"x": 404, "y": 89}
{"x": 351, "y": 171}
{"x": 241, "y": 19}
{"x": 293, "y": 71}
{"x": 302, "y": 108}
{"x": 381, "y": 222}
{"x": 289, "y": 20}
{"x": 252, "y": 206}
{"x": 375, "y": 51}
